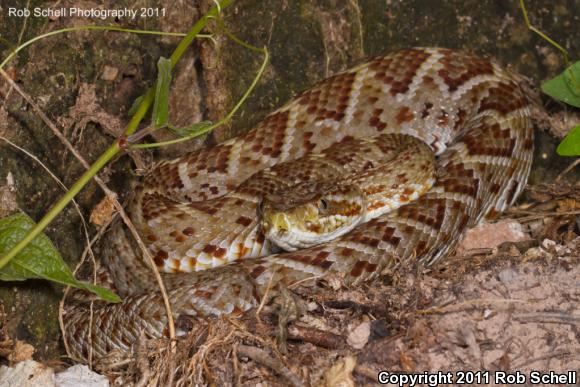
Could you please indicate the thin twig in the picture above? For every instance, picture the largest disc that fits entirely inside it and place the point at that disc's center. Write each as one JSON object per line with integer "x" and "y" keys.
{"x": 317, "y": 337}
{"x": 549, "y": 317}
{"x": 263, "y": 300}
{"x": 480, "y": 303}
{"x": 33, "y": 157}
{"x": 197, "y": 362}
{"x": 568, "y": 169}
{"x": 47, "y": 122}
{"x": 296, "y": 284}
{"x": 544, "y": 357}
{"x": 265, "y": 358}
{"x": 543, "y": 35}
{"x": 367, "y": 371}
{"x": 542, "y": 215}
{"x": 20, "y": 47}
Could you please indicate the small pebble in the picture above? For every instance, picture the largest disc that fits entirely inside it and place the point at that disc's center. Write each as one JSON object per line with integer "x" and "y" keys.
{"x": 508, "y": 275}
{"x": 359, "y": 336}
{"x": 109, "y": 73}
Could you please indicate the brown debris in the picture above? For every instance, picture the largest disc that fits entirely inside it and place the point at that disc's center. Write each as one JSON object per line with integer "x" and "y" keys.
{"x": 340, "y": 374}
{"x": 109, "y": 73}
{"x": 265, "y": 358}
{"x": 87, "y": 109}
{"x": 8, "y": 203}
{"x": 103, "y": 212}
{"x": 16, "y": 351}
{"x": 4, "y": 123}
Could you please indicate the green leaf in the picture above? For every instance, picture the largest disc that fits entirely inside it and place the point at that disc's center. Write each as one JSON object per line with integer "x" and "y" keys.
{"x": 135, "y": 105}
{"x": 566, "y": 86}
{"x": 570, "y": 145}
{"x": 39, "y": 259}
{"x": 161, "y": 104}
{"x": 190, "y": 130}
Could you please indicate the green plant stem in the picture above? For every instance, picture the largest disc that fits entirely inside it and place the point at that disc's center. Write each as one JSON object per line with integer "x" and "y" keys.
{"x": 549, "y": 40}
{"x": 113, "y": 149}
{"x": 209, "y": 128}
{"x": 91, "y": 28}
{"x": 237, "y": 40}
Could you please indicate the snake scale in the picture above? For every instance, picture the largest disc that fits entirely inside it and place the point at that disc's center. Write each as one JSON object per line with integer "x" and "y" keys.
{"x": 471, "y": 113}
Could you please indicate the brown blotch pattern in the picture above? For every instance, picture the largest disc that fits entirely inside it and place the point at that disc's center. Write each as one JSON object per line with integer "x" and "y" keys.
{"x": 160, "y": 258}
{"x": 268, "y": 137}
{"x": 188, "y": 231}
{"x": 478, "y": 147}
{"x": 469, "y": 187}
{"x": 503, "y": 99}
{"x": 209, "y": 249}
{"x": 208, "y": 208}
{"x": 362, "y": 266}
{"x": 431, "y": 214}
{"x": 320, "y": 259}
{"x": 330, "y": 101}
{"x": 404, "y": 115}
{"x": 257, "y": 271}
{"x": 399, "y": 70}
{"x": 308, "y": 146}
{"x": 244, "y": 221}
{"x": 389, "y": 236}
{"x": 459, "y": 69}
{"x": 375, "y": 120}
{"x": 220, "y": 252}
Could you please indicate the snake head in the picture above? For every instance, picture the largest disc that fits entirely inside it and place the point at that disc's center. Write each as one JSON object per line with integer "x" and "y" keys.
{"x": 309, "y": 214}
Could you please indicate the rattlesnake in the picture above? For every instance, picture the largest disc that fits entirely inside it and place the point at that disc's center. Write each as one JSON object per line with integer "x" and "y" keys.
{"x": 468, "y": 110}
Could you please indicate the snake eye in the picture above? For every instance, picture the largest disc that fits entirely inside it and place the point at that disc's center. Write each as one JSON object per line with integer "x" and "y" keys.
{"x": 322, "y": 204}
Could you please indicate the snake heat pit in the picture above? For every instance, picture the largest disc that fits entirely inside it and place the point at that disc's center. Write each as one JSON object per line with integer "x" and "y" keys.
{"x": 382, "y": 165}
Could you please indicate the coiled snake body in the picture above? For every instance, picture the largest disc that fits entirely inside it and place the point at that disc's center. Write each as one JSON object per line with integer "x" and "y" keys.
{"x": 468, "y": 110}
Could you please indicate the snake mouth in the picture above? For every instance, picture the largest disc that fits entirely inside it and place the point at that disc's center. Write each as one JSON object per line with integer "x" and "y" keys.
{"x": 311, "y": 213}
{"x": 287, "y": 229}
{"x": 307, "y": 225}
{"x": 277, "y": 222}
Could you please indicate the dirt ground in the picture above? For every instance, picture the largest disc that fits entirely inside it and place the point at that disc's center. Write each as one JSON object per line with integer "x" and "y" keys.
{"x": 509, "y": 299}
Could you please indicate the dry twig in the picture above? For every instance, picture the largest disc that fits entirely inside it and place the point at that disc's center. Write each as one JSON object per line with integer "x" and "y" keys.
{"x": 498, "y": 304}
{"x": 548, "y": 317}
{"x": 265, "y": 358}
